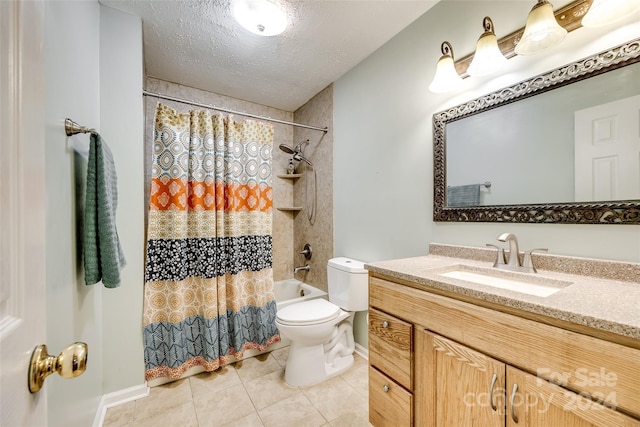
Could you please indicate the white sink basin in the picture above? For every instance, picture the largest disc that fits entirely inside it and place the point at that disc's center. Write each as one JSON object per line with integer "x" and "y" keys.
{"x": 538, "y": 286}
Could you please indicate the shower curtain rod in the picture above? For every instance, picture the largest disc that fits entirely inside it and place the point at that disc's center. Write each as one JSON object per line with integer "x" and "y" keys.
{"x": 226, "y": 110}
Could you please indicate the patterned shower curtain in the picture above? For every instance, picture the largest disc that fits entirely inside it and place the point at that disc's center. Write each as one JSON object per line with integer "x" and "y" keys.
{"x": 208, "y": 279}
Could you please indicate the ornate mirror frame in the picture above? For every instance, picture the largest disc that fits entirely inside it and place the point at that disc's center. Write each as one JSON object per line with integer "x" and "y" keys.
{"x": 623, "y": 212}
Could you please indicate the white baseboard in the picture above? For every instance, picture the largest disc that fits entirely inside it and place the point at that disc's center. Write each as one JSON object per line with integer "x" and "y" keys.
{"x": 362, "y": 351}
{"x": 118, "y": 398}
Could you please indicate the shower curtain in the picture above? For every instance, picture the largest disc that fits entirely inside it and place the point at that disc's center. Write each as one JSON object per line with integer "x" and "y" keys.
{"x": 208, "y": 291}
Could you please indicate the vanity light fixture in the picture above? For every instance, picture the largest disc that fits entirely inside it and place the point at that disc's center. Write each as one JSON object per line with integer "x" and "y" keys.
{"x": 605, "y": 12}
{"x": 542, "y": 30}
{"x": 261, "y": 17}
{"x": 446, "y": 78}
{"x": 492, "y": 53}
{"x": 488, "y": 57}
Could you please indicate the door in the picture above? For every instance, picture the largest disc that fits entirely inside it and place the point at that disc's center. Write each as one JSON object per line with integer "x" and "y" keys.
{"x": 607, "y": 151}
{"x": 467, "y": 387}
{"x": 22, "y": 209}
{"x": 536, "y": 402}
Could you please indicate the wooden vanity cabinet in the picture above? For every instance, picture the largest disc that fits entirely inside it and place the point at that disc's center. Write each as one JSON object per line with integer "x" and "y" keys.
{"x": 465, "y": 361}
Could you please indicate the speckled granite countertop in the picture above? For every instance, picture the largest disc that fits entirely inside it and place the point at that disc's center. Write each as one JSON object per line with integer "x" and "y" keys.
{"x": 610, "y": 303}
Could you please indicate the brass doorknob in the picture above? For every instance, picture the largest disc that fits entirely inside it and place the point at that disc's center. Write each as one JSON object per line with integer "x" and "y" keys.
{"x": 70, "y": 363}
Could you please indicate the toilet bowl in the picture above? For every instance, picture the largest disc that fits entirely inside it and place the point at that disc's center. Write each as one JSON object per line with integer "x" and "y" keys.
{"x": 320, "y": 331}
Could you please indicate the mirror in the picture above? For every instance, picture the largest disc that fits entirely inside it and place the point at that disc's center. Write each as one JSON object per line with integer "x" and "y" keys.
{"x": 519, "y": 154}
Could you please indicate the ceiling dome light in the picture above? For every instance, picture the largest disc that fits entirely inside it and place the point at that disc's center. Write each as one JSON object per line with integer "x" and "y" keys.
{"x": 605, "y": 12}
{"x": 488, "y": 57}
{"x": 446, "y": 78}
{"x": 542, "y": 30}
{"x": 261, "y": 17}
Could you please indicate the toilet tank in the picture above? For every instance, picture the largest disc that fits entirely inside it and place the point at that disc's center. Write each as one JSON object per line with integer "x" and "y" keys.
{"x": 348, "y": 284}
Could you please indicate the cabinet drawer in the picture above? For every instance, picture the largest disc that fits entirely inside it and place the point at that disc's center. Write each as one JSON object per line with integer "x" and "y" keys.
{"x": 389, "y": 404}
{"x": 391, "y": 346}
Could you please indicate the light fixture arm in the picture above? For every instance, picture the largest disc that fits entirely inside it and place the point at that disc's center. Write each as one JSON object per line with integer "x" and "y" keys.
{"x": 487, "y": 23}
{"x": 446, "y": 49}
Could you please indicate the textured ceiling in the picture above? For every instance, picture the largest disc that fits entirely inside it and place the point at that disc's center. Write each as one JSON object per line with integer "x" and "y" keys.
{"x": 197, "y": 43}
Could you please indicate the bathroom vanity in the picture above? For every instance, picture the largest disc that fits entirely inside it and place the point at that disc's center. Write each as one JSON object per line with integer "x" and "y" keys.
{"x": 449, "y": 350}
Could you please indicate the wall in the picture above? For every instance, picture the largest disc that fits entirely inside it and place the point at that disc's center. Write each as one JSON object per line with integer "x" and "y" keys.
{"x": 93, "y": 75}
{"x": 283, "y": 251}
{"x": 383, "y": 139}
{"x": 122, "y": 126}
{"x": 74, "y": 311}
{"x": 318, "y": 111}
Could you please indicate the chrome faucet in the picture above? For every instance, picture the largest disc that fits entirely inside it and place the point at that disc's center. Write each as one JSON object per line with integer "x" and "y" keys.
{"x": 302, "y": 267}
{"x": 514, "y": 260}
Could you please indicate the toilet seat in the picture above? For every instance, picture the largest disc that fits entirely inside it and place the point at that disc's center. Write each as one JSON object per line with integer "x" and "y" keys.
{"x": 310, "y": 312}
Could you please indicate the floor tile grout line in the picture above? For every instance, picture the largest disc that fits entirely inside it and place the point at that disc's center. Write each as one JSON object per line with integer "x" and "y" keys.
{"x": 244, "y": 381}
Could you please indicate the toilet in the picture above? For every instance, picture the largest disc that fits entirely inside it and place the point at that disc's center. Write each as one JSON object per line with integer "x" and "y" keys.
{"x": 321, "y": 331}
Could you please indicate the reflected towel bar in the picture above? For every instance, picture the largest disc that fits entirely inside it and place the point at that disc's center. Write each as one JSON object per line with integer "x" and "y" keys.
{"x": 484, "y": 184}
{"x": 72, "y": 128}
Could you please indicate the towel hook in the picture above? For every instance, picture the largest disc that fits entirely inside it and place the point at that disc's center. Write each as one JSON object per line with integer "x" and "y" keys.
{"x": 72, "y": 128}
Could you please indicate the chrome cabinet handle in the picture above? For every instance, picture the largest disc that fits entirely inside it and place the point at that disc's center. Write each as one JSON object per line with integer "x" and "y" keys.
{"x": 385, "y": 324}
{"x": 385, "y": 388}
{"x": 491, "y": 387}
{"x": 512, "y": 402}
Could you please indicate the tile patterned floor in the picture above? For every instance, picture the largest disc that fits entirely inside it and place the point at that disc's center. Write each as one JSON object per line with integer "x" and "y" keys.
{"x": 251, "y": 393}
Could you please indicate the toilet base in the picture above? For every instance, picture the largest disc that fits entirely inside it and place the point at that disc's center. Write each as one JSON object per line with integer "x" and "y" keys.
{"x": 306, "y": 365}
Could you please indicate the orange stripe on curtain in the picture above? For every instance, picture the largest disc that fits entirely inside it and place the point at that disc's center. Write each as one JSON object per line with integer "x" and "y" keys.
{"x": 175, "y": 194}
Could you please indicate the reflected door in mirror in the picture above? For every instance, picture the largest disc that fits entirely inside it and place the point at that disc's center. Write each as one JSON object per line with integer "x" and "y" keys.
{"x": 607, "y": 151}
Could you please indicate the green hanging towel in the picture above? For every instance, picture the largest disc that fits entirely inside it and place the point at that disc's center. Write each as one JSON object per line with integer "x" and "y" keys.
{"x": 103, "y": 256}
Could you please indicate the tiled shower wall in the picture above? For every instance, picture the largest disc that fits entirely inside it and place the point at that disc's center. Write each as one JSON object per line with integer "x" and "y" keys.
{"x": 317, "y": 111}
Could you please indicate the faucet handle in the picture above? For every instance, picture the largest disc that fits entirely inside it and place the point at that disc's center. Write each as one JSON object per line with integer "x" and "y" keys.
{"x": 306, "y": 251}
{"x": 499, "y": 256}
{"x": 528, "y": 261}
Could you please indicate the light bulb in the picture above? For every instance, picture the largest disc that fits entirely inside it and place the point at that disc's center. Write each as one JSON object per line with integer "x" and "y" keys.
{"x": 261, "y": 17}
{"x": 488, "y": 58}
{"x": 446, "y": 78}
{"x": 605, "y": 12}
{"x": 541, "y": 32}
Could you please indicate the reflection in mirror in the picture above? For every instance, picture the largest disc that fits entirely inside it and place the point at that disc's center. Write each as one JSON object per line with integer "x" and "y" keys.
{"x": 526, "y": 149}
{"x": 547, "y": 157}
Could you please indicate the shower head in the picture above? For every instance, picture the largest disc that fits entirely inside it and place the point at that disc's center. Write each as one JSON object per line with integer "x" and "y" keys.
{"x": 296, "y": 152}
{"x": 287, "y": 149}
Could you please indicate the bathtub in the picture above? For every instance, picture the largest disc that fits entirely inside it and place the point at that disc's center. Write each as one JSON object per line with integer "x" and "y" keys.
{"x": 291, "y": 291}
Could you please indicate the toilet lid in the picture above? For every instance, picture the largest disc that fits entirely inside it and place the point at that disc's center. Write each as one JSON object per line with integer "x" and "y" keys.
{"x": 308, "y": 312}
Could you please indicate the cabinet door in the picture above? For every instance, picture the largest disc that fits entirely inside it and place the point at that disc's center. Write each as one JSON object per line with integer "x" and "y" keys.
{"x": 464, "y": 387}
{"x": 537, "y": 402}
